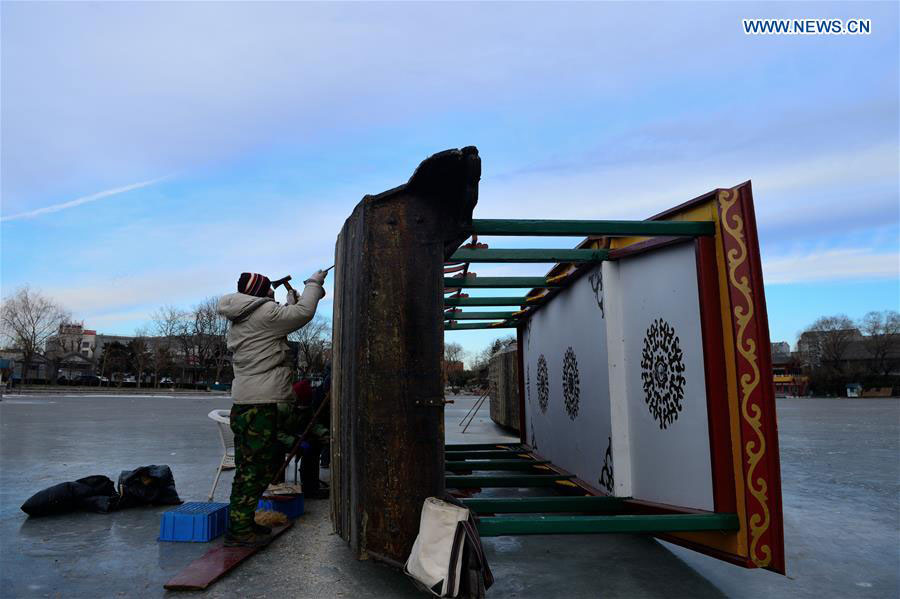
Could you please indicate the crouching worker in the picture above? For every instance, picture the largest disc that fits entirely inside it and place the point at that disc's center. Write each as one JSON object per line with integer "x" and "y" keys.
{"x": 257, "y": 337}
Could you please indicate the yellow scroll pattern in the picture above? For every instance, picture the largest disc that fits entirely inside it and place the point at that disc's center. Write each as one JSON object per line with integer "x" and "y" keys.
{"x": 760, "y": 554}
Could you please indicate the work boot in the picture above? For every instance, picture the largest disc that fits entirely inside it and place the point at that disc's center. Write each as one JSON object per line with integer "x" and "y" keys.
{"x": 261, "y": 529}
{"x": 248, "y": 539}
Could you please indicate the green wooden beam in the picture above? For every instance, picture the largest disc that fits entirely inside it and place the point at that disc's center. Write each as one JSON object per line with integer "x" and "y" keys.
{"x": 468, "y": 326}
{"x": 478, "y": 315}
{"x": 592, "y": 227}
{"x": 496, "y": 454}
{"x": 498, "y": 282}
{"x": 493, "y": 526}
{"x": 542, "y": 505}
{"x": 529, "y": 255}
{"x": 469, "y": 465}
{"x": 469, "y": 481}
{"x": 484, "y": 301}
{"x": 480, "y": 446}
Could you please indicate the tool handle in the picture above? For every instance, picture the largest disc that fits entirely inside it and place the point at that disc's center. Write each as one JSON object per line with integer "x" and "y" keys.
{"x": 296, "y": 448}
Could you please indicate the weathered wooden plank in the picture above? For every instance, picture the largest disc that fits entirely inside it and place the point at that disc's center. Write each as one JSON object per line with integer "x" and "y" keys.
{"x": 493, "y": 526}
{"x": 214, "y": 564}
{"x": 387, "y": 387}
{"x": 591, "y": 227}
{"x": 503, "y": 373}
{"x": 529, "y": 255}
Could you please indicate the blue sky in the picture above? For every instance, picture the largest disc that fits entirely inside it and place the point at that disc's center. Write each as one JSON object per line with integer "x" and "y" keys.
{"x": 151, "y": 152}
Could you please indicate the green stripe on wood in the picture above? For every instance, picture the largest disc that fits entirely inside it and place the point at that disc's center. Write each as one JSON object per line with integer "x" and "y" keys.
{"x": 494, "y": 464}
{"x": 493, "y": 526}
{"x": 529, "y": 255}
{"x": 468, "y": 326}
{"x": 484, "y": 301}
{"x": 480, "y": 446}
{"x": 503, "y": 480}
{"x": 478, "y": 315}
{"x": 540, "y": 505}
{"x": 497, "y": 282}
{"x": 488, "y": 454}
{"x": 591, "y": 227}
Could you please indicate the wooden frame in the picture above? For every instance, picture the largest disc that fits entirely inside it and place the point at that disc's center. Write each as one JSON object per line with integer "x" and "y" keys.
{"x": 740, "y": 399}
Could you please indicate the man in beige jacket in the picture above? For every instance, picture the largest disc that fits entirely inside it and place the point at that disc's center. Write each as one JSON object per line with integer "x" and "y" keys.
{"x": 257, "y": 337}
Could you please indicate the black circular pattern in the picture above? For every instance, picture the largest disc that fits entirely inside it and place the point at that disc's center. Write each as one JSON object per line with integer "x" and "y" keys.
{"x": 571, "y": 383}
{"x": 662, "y": 371}
{"x": 543, "y": 384}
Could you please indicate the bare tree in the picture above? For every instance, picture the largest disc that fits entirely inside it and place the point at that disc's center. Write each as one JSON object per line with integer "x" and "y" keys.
{"x": 882, "y": 330}
{"x": 452, "y": 367}
{"x": 28, "y": 319}
{"x": 828, "y": 338}
{"x": 209, "y": 336}
{"x": 140, "y": 354}
{"x": 165, "y": 324}
{"x": 482, "y": 359}
{"x": 313, "y": 343}
{"x": 453, "y": 352}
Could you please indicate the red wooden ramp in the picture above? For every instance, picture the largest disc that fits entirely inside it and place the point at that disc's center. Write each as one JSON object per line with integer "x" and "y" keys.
{"x": 214, "y": 564}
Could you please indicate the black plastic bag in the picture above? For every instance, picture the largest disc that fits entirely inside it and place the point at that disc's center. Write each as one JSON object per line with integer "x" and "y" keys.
{"x": 91, "y": 493}
{"x": 147, "y": 485}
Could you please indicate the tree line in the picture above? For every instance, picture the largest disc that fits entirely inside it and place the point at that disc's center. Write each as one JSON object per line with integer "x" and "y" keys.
{"x": 836, "y": 350}
{"x": 184, "y": 345}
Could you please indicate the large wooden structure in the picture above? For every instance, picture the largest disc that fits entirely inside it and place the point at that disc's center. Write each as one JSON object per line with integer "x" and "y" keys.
{"x": 645, "y": 398}
{"x": 387, "y": 396}
{"x": 645, "y": 382}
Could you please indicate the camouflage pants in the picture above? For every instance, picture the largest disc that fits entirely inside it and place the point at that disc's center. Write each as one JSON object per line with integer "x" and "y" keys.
{"x": 263, "y": 434}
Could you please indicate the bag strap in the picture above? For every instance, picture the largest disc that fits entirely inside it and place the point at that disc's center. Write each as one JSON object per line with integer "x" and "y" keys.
{"x": 473, "y": 543}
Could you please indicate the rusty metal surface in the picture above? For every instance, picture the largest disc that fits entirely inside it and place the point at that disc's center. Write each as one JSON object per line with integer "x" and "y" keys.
{"x": 387, "y": 430}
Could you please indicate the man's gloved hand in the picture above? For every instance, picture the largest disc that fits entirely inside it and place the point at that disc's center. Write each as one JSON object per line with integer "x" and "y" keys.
{"x": 317, "y": 277}
{"x": 292, "y": 297}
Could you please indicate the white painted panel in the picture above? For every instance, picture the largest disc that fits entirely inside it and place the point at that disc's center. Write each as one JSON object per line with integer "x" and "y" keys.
{"x": 570, "y": 333}
{"x": 618, "y": 380}
{"x": 670, "y": 457}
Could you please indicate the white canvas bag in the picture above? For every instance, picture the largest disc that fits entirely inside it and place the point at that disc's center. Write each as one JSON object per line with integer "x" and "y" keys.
{"x": 436, "y": 557}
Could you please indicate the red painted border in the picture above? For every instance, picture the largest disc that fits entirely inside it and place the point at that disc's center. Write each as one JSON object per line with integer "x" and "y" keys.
{"x": 720, "y": 448}
{"x": 767, "y": 545}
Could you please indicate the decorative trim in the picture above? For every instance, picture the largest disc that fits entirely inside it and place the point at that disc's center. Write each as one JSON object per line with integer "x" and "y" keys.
{"x": 749, "y": 371}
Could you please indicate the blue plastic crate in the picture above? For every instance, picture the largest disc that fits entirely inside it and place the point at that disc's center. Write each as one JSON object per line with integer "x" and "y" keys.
{"x": 194, "y": 522}
{"x": 289, "y": 505}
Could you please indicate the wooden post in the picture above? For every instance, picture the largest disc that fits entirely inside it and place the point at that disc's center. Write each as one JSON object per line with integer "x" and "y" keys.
{"x": 387, "y": 395}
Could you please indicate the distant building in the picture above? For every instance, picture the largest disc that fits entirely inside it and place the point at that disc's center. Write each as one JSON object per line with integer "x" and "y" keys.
{"x": 38, "y": 372}
{"x": 70, "y": 353}
{"x": 787, "y": 372}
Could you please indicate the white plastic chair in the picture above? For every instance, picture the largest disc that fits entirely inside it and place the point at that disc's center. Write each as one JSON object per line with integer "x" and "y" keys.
{"x": 222, "y": 419}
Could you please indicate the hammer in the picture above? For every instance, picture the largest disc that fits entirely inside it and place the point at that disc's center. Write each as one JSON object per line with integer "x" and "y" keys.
{"x": 284, "y": 281}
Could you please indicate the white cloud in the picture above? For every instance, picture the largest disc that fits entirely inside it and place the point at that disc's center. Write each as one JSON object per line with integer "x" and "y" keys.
{"x": 94, "y": 197}
{"x": 831, "y": 265}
